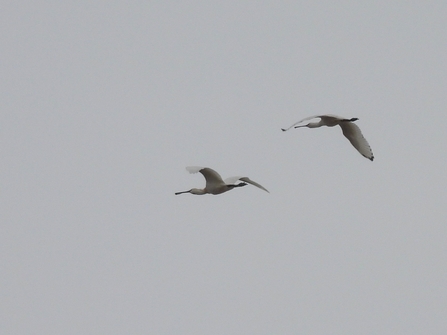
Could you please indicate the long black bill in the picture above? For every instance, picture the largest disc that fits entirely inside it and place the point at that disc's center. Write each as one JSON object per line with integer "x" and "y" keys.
{"x": 177, "y": 193}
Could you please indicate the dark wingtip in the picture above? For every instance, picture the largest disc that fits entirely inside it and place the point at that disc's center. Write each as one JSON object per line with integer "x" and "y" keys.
{"x": 370, "y": 158}
{"x": 283, "y": 129}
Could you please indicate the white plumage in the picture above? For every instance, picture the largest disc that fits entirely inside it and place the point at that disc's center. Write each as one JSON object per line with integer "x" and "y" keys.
{"x": 351, "y": 131}
{"x": 215, "y": 184}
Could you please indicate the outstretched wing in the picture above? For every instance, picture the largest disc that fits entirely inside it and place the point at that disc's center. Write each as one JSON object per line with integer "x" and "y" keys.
{"x": 248, "y": 180}
{"x": 353, "y": 133}
{"x": 194, "y": 169}
{"x": 326, "y": 116}
{"x": 213, "y": 179}
{"x": 305, "y": 119}
{"x": 293, "y": 125}
{"x": 232, "y": 180}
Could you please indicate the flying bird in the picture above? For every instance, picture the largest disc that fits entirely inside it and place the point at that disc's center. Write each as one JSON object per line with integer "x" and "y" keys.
{"x": 215, "y": 184}
{"x": 350, "y": 130}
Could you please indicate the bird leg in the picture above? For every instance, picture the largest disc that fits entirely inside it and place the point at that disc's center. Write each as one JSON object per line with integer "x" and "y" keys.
{"x": 237, "y": 185}
{"x": 350, "y": 120}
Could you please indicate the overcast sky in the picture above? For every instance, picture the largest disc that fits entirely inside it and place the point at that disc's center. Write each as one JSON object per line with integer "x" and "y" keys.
{"x": 104, "y": 103}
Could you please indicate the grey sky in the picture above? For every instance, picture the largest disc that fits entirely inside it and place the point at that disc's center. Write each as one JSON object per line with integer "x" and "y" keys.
{"x": 104, "y": 103}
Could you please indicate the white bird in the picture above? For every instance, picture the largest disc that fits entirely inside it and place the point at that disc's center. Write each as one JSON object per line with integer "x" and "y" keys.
{"x": 350, "y": 130}
{"x": 215, "y": 184}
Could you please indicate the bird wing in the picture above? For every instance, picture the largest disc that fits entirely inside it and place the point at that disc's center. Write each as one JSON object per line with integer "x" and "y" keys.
{"x": 331, "y": 117}
{"x": 305, "y": 119}
{"x": 194, "y": 169}
{"x": 353, "y": 133}
{"x": 326, "y": 116}
{"x": 248, "y": 180}
{"x": 232, "y": 180}
{"x": 213, "y": 179}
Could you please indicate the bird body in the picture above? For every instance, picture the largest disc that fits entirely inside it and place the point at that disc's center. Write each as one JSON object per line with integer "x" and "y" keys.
{"x": 215, "y": 184}
{"x": 351, "y": 131}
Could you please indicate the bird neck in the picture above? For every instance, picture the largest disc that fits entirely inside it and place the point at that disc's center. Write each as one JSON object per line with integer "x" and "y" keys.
{"x": 198, "y": 191}
{"x": 314, "y": 124}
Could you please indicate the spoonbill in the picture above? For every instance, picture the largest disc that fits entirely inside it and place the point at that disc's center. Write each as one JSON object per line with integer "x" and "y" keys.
{"x": 215, "y": 184}
{"x": 351, "y": 131}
